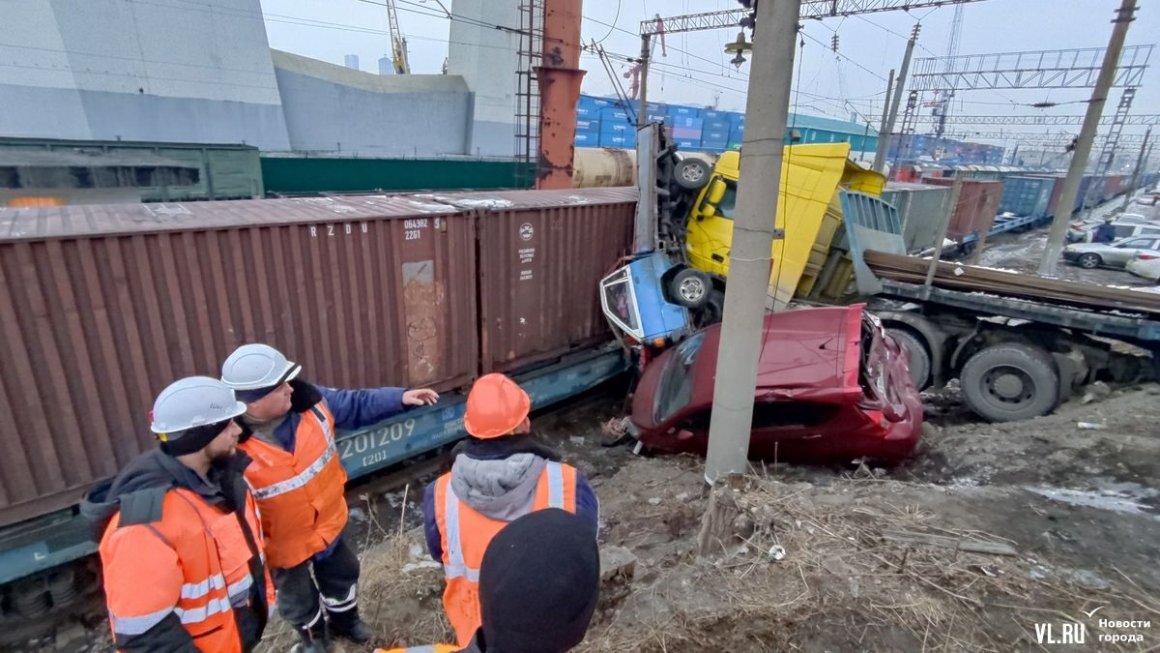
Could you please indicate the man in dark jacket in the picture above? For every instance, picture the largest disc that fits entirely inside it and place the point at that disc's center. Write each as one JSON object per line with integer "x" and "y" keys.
{"x": 1106, "y": 232}
{"x": 180, "y": 538}
{"x": 539, "y": 585}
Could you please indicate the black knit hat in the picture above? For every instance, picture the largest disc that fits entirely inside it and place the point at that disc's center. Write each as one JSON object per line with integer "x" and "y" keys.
{"x": 192, "y": 440}
{"x": 539, "y": 583}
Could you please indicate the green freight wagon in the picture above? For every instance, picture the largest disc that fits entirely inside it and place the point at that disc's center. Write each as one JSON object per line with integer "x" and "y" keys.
{"x": 225, "y": 171}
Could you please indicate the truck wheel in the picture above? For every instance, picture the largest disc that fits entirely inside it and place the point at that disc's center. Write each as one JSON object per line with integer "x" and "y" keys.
{"x": 714, "y": 309}
{"x": 692, "y": 174}
{"x": 1010, "y": 382}
{"x": 918, "y": 358}
{"x": 690, "y": 288}
{"x": 1089, "y": 261}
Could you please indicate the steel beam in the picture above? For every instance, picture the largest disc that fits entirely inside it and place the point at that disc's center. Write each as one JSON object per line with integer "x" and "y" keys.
{"x": 1075, "y": 68}
{"x": 815, "y": 9}
{"x": 1147, "y": 120}
{"x": 1046, "y": 139}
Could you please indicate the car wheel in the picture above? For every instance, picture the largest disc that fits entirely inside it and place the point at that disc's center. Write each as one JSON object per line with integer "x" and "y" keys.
{"x": 1089, "y": 261}
{"x": 690, "y": 288}
{"x": 1010, "y": 382}
{"x": 692, "y": 174}
{"x": 918, "y": 358}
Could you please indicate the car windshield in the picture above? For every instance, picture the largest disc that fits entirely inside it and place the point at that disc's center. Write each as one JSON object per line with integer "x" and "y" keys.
{"x": 675, "y": 389}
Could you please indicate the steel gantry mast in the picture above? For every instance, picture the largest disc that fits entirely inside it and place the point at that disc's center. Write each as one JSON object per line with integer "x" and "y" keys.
{"x": 948, "y": 96}
{"x": 1111, "y": 141}
{"x": 812, "y": 9}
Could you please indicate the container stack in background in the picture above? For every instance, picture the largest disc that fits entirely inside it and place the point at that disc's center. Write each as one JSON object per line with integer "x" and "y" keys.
{"x": 610, "y": 122}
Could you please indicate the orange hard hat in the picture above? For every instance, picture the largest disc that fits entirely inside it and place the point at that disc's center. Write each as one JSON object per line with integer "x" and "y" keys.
{"x": 496, "y": 406}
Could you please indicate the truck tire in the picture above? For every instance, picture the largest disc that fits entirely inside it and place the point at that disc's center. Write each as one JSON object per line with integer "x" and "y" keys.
{"x": 692, "y": 174}
{"x": 918, "y": 357}
{"x": 1010, "y": 381}
{"x": 714, "y": 309}
{"x": 690, "y": 288}
{"x": 1089, "y": 261}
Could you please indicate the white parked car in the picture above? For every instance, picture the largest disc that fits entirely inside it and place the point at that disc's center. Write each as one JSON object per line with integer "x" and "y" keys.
{"x": 1126, "y": 226}
{"x": 1113, "y": 255}
{"x": 1146, "y": 265}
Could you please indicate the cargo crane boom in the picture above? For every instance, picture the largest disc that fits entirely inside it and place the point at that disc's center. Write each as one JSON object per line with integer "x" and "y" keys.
{"x": 398, "y": 42}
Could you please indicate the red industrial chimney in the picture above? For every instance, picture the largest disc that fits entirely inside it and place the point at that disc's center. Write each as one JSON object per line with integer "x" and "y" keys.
{"x": 560, "y": 78}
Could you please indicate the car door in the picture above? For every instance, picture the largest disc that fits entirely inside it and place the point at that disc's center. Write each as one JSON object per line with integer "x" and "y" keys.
{"x": 1119, "y": 254}
{"x": 1122, "y": 231}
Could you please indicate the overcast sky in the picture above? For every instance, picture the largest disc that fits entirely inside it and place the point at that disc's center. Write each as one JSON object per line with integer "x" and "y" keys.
{"x": 696, "y": 70}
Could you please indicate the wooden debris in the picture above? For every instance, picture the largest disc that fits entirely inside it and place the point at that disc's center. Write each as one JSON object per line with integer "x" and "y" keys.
{"x": 946, "y": 542}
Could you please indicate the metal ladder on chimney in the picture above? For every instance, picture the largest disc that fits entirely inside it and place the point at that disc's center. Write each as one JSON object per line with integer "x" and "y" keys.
{"x": 1111, "y": 142}
{"x": 528, "y": 91}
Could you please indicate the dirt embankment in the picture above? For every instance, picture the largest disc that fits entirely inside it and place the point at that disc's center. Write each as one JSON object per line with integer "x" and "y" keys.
{"x": 996, "y": 538}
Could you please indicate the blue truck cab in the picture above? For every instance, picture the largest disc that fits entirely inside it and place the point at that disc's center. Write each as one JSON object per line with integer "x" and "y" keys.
{"x": 635, "y": 305}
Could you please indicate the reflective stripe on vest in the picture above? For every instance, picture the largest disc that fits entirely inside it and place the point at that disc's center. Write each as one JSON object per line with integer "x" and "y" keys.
{"x": 240, "y": 588}
{"x": 455, "y": 567}
{"x": 555, "y": 485}
{"x": 308, "y": 474}
{"x": 138, "y": 625}
{"x": 198, "y": 590}
{"x": 198, "y": 615}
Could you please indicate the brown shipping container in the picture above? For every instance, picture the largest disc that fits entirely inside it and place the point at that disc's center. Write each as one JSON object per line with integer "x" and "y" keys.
{"x": 541, "y": 257}
{"x": 102, "y": 306}
{"x": 977, "y": 206}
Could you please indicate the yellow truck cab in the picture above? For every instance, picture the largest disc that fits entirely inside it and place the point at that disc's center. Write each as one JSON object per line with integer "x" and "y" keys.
{"x": 812, "y": 176}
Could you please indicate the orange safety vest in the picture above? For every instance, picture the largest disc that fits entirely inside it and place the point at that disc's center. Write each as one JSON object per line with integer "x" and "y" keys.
{"x": 465, "y": 534}
{"x": 300, "y": 493}
{"x": 195, "y": 561}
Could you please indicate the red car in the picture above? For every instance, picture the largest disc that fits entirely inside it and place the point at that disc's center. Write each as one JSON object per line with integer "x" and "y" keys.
{"x": 832, "y": 387}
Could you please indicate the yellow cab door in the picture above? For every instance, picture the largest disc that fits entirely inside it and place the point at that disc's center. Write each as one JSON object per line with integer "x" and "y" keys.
{"x": 809, "y": 177}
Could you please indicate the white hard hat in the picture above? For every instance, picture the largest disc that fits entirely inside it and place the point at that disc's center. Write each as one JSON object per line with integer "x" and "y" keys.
{"x": 255, "y": 366}
{"x": 194, "y": 401}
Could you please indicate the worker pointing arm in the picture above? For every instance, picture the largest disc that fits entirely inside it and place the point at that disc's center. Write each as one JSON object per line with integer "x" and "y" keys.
{"x": 289, "y": 430}
{"x": 500, "y": 473}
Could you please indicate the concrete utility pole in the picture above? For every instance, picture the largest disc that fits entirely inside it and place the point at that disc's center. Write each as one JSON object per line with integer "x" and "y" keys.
{"x": 642, "y": 113}
{"x": 1083, "y": 146}
{"x": 1139, "y": 169}
{"x": 767, "y": 108}
{"x": 878, "y": 151}
{"x": 892, "y": 117}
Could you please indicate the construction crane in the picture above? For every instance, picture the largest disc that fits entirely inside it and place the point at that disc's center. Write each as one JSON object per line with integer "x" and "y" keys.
{"x": 944, "y": 102}
{"x": 398, "y": 42}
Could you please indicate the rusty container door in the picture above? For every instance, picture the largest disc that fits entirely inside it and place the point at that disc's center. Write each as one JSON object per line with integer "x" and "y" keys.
{"x": 541, "y": 257}
{"x": 103, "y": 306}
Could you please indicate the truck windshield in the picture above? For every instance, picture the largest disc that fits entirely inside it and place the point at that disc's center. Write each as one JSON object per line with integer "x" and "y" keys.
{"x": 728, "y": 201}
{"x": 675, "y": 389}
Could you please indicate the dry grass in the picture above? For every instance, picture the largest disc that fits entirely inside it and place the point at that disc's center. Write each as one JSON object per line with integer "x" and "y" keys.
{"x": 840, "y": 586}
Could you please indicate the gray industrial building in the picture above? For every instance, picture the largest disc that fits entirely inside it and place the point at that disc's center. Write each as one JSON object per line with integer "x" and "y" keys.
{"x": 331, "y": 108}
{"x": 184, "y": 72}
{"x": 159, "y": 71}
